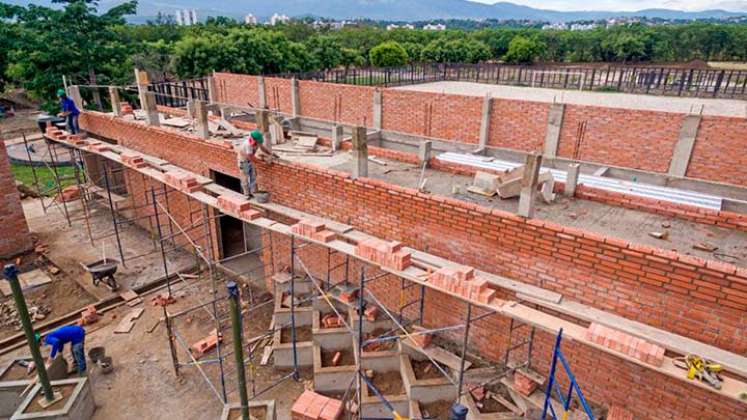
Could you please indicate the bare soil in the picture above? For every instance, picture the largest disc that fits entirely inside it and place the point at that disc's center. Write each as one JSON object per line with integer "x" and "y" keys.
{"x": 302, "y": 334}
{"x": 347, "y": 358}
{"x": 379, "y": 345}
{"x": 436, "y": 410}
{"x": 65, "y": 390}
{"x": 388, "y": 383}
{"x": 426, "y": 370}
{"x": 16, "y": 372}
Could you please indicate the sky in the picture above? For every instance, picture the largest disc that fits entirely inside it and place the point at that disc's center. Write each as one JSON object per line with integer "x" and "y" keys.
{"x": 630, "y": 5}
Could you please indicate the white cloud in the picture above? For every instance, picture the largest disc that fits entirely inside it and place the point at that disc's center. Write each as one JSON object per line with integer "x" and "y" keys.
{"x": 631, "y": 5}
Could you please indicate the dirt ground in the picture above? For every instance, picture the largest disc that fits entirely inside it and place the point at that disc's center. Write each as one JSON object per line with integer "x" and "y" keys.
{"x": 388, "y": 383}
{"x": 436, "y": 410}
{"x": 22, "y": 122}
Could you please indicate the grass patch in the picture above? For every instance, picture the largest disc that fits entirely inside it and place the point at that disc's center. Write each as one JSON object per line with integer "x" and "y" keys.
{"x": 24, "y": 174}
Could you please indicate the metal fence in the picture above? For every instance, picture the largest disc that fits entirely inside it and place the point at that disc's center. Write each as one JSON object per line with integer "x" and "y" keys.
{"x": 176, "y": 94}
{"x": 672, "y": 81}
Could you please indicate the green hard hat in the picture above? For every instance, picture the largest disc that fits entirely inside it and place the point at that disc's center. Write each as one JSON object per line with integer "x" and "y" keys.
{"x": 60, "y": 93}
{"x": 257, "y": 135}
{"x": 37, "y": 337}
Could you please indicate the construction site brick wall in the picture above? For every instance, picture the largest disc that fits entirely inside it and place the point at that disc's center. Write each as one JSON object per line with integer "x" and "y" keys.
{"x": 237, "y": 89}
{"x": 518, "y": 125}
{"x": 720, "y": 153}
{"x": 705, "y": 300}
{"x": 278, "y": 94}
{"x": 619, "y": 137}
{"x": 15, "y": 238}
{"x": 345, "y": 104}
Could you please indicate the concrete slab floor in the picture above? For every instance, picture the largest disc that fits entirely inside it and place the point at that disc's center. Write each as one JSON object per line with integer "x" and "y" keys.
{"x": 70, "y": 245}
{"x": 630, "y": 225}
{"x": 721, "y": 107}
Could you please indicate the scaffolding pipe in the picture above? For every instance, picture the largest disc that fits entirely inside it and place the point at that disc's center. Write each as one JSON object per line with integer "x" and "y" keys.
{"x": 114, "y": 215}
{"x": 238, "y": 349}
{"x": 160, "y": 239}
{"x": 464, "y": 352}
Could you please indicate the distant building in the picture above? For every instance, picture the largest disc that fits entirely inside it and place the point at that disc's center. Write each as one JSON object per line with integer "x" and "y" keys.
{"x": 393, "y": 26}
{"x": 556, "y": 26}
{"x": 276, "y": 19}
{"x": 186, "y": 17}
{"x": 436, "y": 27}
{"x": 250, "y": 19}
{"x": 583, "y": 26}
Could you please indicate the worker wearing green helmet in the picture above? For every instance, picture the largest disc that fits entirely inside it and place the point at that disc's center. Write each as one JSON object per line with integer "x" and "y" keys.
{"x": 69, "y": 111}
{"x": 247, "y": 153}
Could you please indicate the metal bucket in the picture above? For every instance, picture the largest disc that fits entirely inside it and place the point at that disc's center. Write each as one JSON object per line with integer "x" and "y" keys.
{"x": 96, "y": 354}
{"x": 106, "y": 364}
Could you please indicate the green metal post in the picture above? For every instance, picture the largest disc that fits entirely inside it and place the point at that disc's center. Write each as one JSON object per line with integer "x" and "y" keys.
{"x": 238, "y": 345}
{"x": 11, "y": 274}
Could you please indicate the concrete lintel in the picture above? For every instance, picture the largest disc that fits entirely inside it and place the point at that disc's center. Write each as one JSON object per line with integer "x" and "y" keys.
{"x": 116, "y": 102}
{"x": 554, "y": 124}
{"x": 295, "y": 98}
{"x": 487, "y": 108}
{"x": 378, "y": 104}
{"x": 684, "y": 148}
{"x": 571, "y": 182}
{"x": 261, "y": 92}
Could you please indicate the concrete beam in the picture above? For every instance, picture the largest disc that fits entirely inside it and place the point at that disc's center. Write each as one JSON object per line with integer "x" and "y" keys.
{"x": 529, "y": 185}
{"x": 487, "y": 108}
{"x": 151, "y": 111}
{"x": 684, "y": 148}
{"x": 116, "y": 102}
{"x": 360, "y": 152}
{"x": 378, "y": 104}
{"x": 295, "y": 98}
{"x": 571, "y": 182}
{"x": 554, "y": 124}
{"x": 201, "y": 119}
{"x": 424, "y": 151}
{"x": 261, "y": 92}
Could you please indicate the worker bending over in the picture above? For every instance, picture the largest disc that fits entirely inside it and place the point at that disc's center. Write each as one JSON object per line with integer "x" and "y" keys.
{"x": 74, "y": 335}
{"x": 247, "y": 152}
{"x": 69, "y": 111}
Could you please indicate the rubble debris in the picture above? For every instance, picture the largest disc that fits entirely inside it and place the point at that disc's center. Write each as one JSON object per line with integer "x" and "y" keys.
{"x": 705, "y": 246}
{"x": 484, "y": 184}
{"x": 205, "y": 345}
{"x": 331, "y": 321}
{"x": 163, "y": 299}
{"x": 88, "y": 316}
{"x": 659, "y": 235}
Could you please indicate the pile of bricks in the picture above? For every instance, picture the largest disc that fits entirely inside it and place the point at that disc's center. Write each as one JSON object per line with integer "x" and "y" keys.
{"x": 349, "y": 295}
{"x": 313, "y": 230}
{"x": 205, "y": 345}
{"x": 371, "y": 313}
{"x": 163, "y": 299}
{"x": 99, "y": 147}
{"x": 88, "y": 316}
{"x": 462, "y": 281}
{"x": 133, "y": 160}
{"x": 313, "y": 406}
{"x": 77, "y": 140}
{"x": 421, "y": 339}
{"x": 523, "y": 384}
{"x": 68, "y": 194}
{"x": 625, "y": 343}
{"x": 237, "y": 206}
{"x": 182, "y": 181}
{"x": 331, "y": 321}
{"x": 387, "y": 254}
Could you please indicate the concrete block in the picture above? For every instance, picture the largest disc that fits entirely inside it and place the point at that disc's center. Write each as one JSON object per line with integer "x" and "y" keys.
{"x": 683, "y": 149}
{"x": 554, "y": 124}
{"x": 485, "y": 183}
{"x": 425, "y": 150}
{"x": 149, "y": 105}
{"x": 79, "y": 405}
{"x": 571, "y": 180}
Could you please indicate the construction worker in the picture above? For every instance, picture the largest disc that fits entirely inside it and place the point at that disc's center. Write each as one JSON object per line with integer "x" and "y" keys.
{"x": 247, "y": 152}
{"x": 69, "y": 111}
{"x": 76, "y": 336}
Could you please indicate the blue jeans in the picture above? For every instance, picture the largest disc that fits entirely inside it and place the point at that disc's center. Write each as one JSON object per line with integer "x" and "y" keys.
{"x": 79, "y": 355}
{"x": 251, "y": 175}
{"x": 72, "y": 124}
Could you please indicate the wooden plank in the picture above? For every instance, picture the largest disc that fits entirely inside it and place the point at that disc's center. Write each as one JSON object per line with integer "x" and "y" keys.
{"x": 730, "y": 361}
{"x": 298, "y": 215}
{"x": 441, "y": 355}
{"x": 125, "y": 325}
{"x": 129, "y": 295}
{"x": 266, "y": 353}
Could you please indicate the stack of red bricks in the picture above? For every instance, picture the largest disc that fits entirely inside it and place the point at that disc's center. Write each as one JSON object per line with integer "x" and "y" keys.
{"x": 462, "y": 281}
{"x": 524, "y": 384}
{"x": 133, "y": 160}
{"x": 387, "y": 254}
{"x": 313, "y": 406}
{"x": 99, "y": 147}
{"x": 182, "y": 181}
{"x": 331, "y": 321}
{"x": 625, "y": 343}
{"x": 88, "y": 316}
{"x": 420, "y": 338}
{"x": 313, "y": 230}
{"x": 205, "y": 345}
{"x": 237, "y": 206}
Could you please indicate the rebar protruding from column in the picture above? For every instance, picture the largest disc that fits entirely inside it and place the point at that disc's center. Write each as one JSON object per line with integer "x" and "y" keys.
{"x": 238, "y": 345}
{"x": 10, "y": 272}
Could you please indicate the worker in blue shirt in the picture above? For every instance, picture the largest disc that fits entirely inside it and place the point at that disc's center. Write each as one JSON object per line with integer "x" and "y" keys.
{"x": 74, "y": 335}
{"x": 69, "y": 111}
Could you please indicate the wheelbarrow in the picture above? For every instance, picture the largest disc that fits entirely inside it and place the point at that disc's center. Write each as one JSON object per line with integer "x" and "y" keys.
{"x": 103, "y": 270}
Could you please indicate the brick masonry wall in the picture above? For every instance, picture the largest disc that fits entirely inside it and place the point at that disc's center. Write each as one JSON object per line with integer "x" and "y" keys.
{"x": 706, "y": 300}
{"x": 278, "y": 93}
{"x": 518, "y": 125}
{"x": 237, "y": 89}
{"x": 15, "y": 238}
{"x": 345, "y": 104}
{"x": 620, "y": 137}
{"x": 720, "y": 152}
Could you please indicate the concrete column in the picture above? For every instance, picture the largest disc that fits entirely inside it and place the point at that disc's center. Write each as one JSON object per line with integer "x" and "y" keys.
{"x": 554, "y": 124}
{"x": 337, "y": 135}
{"x": 191, "y": 108}
{"x": 529, "y": 185}
{"x": 149, "y": 106}
{"x": 683, "y": 150}
{"x": 141, "y": 80}
{"x": 487, "y": 107}
{"x": 295, "y": 98}
{"x": 571, "y": 179}
{"x": 261, "y": 92}
{"x": 360, "y": 153}
{"x": 116, "y": 102}
{"x": 212, "y": 90}
{"x": 378, "y": 105}
{"x": 263, "y": 125}
{"x": 201, "y": 119}
{"x": 74, "y": 93}
{"x": 424, "y": 151}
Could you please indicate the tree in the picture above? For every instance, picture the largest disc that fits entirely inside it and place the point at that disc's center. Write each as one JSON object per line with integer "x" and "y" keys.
{"x": 197, "y": 56}
{"x": 413, "y": 49}
{"x": 327, "y": 52}
{"x": 388, "y": 54}
{"x": 523, "y": 50}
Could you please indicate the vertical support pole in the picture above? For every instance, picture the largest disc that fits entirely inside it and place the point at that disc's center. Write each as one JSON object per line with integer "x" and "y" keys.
{"x": 571, "y": 179}
{"x": 74, "y": 93}
{"x": 172, "y": 347}
{"x": 360, "y": 153}
{"x": 150, "y": 108}
{"x": 201, "y": 119}
{"x": 487, "y": 107}
{"x": 295, "y": 99}
{"x": 212, "y": 89}
{"x": 261, "y": 92}
{"x": 529, "y": 185}
{"x": 424, "y": 152}
{"x": 551, "y": 376}
{"x": 160, "y": 240}
{"x": 238, "y": 346}
{"x": 10, "y": 272}
{"x": 421, "y": 312}
{"x": 116, "y": 102}
{"x": 361, "y": 289}
{"x": 292, "y": 307}
{"x": 141, "y": 80}
{"x": 113, "y": 214}
{"x": 378, "y": 108}
{"x": 464, "y": 351}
